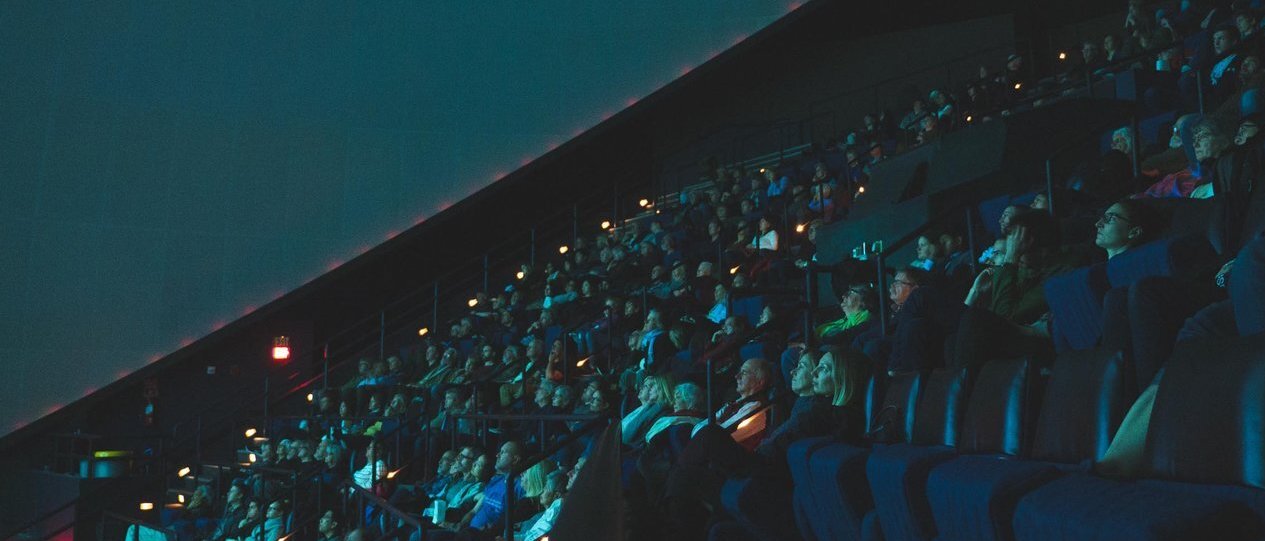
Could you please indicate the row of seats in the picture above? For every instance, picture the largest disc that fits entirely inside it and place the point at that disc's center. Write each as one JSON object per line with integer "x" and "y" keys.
{"x": 1013, "y": 450}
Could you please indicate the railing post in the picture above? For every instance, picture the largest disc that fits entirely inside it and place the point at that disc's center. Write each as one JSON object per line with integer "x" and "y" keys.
{"x": 970, "y": 240}
{"x": 264, "y": 429}
{"x": 711, "y": 413}
{"x": 509, "y": 505}
{"x": 1199, "y": 89}
{"x": 811, "y": 298}
{"x": 325, "y": 368}
{"x": 485, "y": 273}
{"x": 1133, "y": 146}
{"x": 575, "y": 222}
{"x": 382, "y": 334}
{"x": 533, "y": 248}
{"x": 1049, "y": 185}
{"x": 880, "y": 282}
{"x": 434, "y": 309}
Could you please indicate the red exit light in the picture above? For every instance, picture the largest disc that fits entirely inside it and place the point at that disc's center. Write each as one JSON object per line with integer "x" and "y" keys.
{"x": 281, "y": 348}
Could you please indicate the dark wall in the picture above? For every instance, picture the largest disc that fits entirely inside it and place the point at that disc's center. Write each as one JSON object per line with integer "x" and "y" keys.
{"x": 168, "y": 168}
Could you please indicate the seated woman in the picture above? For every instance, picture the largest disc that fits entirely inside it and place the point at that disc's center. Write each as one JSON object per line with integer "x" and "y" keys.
{"x": 1014, "y": 323}
{"x": 655, "y": 396}
{"x": 830, "y": 402}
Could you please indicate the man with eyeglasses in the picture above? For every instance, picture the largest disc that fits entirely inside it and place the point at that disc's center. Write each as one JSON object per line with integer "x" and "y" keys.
{"x": 753, "y": 384}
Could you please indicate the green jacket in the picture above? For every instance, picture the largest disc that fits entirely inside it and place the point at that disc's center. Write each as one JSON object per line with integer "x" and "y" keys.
{"x": 1018, "y": 294}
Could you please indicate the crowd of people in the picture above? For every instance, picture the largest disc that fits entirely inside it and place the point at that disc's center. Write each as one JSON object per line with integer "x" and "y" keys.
{"x": 641, "y": 323}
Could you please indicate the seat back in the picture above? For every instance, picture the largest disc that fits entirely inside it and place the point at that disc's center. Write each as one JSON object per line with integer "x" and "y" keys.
{"x": 939, "y": 412}
{"x": 894, "y": 421}
{"x": 1208, "y": 422}
{"x": 998, "y": 408}
{"x": 1085, "y": 399}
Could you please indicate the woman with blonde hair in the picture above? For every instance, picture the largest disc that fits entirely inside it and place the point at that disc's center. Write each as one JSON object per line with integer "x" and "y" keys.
{"x": 656, "y": 400}
{"x": 535, "y": 478}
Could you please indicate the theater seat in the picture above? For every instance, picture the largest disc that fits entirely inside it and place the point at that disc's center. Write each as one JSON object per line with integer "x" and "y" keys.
{"x": 1087, "y": 508}
{"x": 762, "y": 506}
{"x": 897, "y": 473}
{"x": 836, "y": 478}
{"x": 1202, "y": 461}
{"x": 973, "y": 497}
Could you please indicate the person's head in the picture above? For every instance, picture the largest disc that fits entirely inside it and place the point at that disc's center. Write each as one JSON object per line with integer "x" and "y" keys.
{"x": 328, "y": 526}
{"x": 765, "y": 224}
{"x": 687, "y": 396}
{"x": 445, "y": 462}
{"x": 999, "y": 253}
{"x": 1250, "y": 66}
{"x": 658, "y": 390}
{"x": 364, "y": 365}
{"x": 509, "y": 456}
{"x": 1122, "y": 140}
{"x": 720, "y": 292}
{"x": 704, "y": 269}
{"x": 555, "y": 487}
{"x": 562, "y": 396}
{"x": 398, "y": 404}
{"x": 802, "y": 374}
{"x": 753, "y": 377}
{"x": 1224, "y": 39}
{"x": 859, "y": 298}
{"x": 482, "y": 468}
{"x": 1014, "y": 62}
{"x": 950, "y": 243}
{"x": 1109, "y": 43}
{"x": 333, "y": 454}
{"x": 1178, "y": 128}
{"x": 1245, "y": 23}
{"x": 254, "y": 509}
{"x": 938, "y": 98}
{"x": 904, "y": 283}
{"x": 1211, "y": 139}
{"x": 927, "y": 249}
{"x": 1007, "y": 214}
{"x": 1249, "y": 127}
{"x": 1040, "y": 202}
{"x": 734, "y": 325}
{"x": 533, "y": 480}
{"x": 1089, "y": 50}
{"x": 544, "y": 393}
{"x": 276, "y": 509}
{"x": 839, "y": 376}
{"x": 1124, "y": 225}
{"x": 235, "y": 494}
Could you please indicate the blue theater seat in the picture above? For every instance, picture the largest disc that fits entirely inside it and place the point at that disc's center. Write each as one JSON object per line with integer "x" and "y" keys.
{"x": 969, "y": 495}
{"x": 1202, "y": 465}
{"x": 974, "y": 496}
{"x": 836, "y": 484}
{"x": 897, "y": 473}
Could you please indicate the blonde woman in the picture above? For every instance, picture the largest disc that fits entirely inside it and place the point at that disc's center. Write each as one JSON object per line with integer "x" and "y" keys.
{"x": 656, "y": 400}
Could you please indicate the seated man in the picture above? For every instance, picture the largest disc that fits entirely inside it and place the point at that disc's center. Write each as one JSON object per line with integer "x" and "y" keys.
{"x": 753, "y": 385}
{"x": 484, "y": 521}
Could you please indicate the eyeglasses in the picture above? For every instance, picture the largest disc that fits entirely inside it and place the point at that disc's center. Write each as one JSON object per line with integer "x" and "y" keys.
{"x": 902, "y": 282}
{"x": 1109, "y": 218}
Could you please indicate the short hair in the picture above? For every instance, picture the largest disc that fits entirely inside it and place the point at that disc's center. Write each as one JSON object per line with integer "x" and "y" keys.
{"x": 918, "y": 276}
{"x": 1144, "y": 217}
{"x": 690, "y": 393}
{"x": 1042, "y": 227}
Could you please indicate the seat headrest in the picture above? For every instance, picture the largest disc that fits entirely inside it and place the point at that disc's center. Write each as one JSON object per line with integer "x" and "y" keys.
{"x": 1208, "y": 422}
{"x": 1085, "y": 399}
{"x": 997, "y": 409}
{"x": 939, "y": 412}
{"x": 896, "y": 416}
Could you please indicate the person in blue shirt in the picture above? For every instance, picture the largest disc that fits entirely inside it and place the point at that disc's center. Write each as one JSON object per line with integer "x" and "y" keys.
{"x": 484, "y": 522}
